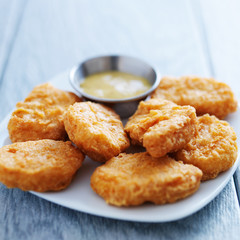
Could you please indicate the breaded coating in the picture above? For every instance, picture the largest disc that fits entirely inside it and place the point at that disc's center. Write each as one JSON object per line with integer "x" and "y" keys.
{"x": 43, "y": 165}
{"x": 40, "y": 116}
{"x": 213, "y": 150}
{"x": 161, "y": 126}
{"x": 132, "y": 179}
{"x": 96, "y": 129}
{"x": 206, "y": 95}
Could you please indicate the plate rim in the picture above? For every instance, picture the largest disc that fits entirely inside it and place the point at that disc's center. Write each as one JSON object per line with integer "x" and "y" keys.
{"x": 203, "y": 202}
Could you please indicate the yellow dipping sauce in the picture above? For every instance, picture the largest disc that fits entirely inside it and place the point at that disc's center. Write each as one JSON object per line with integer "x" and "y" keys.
{"x": 114, "y": 85}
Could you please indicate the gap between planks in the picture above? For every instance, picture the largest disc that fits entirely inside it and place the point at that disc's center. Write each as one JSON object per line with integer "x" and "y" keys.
{"x": 196, "y": 9}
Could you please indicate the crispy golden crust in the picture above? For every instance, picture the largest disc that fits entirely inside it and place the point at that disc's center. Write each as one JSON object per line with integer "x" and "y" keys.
{"x": 44, "y": 165}
{"x": 96, "y": 129}
{"x": 206, "y": 95}
{"x": 213, "y": 150}
{"x": 132, "y": 179}
{"x": 40, "y": 116}
{"x": 161, "y": 126}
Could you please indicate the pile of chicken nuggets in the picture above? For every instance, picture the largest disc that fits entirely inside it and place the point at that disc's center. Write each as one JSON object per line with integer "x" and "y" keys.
{"x": 180, "y": 127}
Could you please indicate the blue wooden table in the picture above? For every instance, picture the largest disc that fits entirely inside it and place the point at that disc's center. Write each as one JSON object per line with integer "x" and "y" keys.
{"x": 42, "y": 38}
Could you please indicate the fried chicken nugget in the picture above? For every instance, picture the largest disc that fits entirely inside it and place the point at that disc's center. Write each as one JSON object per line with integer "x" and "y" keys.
{"x": 132, "y": 179}
{"x": 43, "y": 165}
{"x": 40, "y": 116}
{"x": 161, "y": 126}
{"x": 206, "y": 95}
{"x": 213, "y": 150}
{"x": 96, "y": 129}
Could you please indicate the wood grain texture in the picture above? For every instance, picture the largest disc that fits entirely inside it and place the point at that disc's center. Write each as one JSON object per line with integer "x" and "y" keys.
{"x": 221, "y": 33}
{"x": 34, "y": 218}
{"x": 11, "y": 13}
{"x": 46, "y": 37}
{"x": 54, "y": 35}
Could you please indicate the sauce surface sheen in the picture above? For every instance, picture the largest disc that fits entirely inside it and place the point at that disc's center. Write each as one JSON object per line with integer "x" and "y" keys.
{"x": 114, "y": 85}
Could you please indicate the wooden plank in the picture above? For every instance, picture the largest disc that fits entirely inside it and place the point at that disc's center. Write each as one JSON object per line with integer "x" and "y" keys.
{"x": 55, "y": 37}
{"x": 25, "y": 216}
{"x": 52, "y": 36}
{"x": 11, "y": 13}
{"x": 222, "y": 32}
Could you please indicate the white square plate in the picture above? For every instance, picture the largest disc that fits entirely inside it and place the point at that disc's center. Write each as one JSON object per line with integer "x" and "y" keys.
{"x": 79, "y": 195}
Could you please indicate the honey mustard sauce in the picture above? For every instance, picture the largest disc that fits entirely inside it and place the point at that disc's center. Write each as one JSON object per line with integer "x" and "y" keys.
{"x": 114, "y": 85}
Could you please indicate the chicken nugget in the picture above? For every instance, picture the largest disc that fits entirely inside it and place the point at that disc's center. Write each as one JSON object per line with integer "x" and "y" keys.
{"x": 213, "y": 150}
{"x": 132, "y": 179}
{"x": 43, "y": 165}
{"x": 96, "y": 129}
{"x": 161, "y": 126}
{"x": 40, "y": 116}
{"x": 206, "y": 95}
